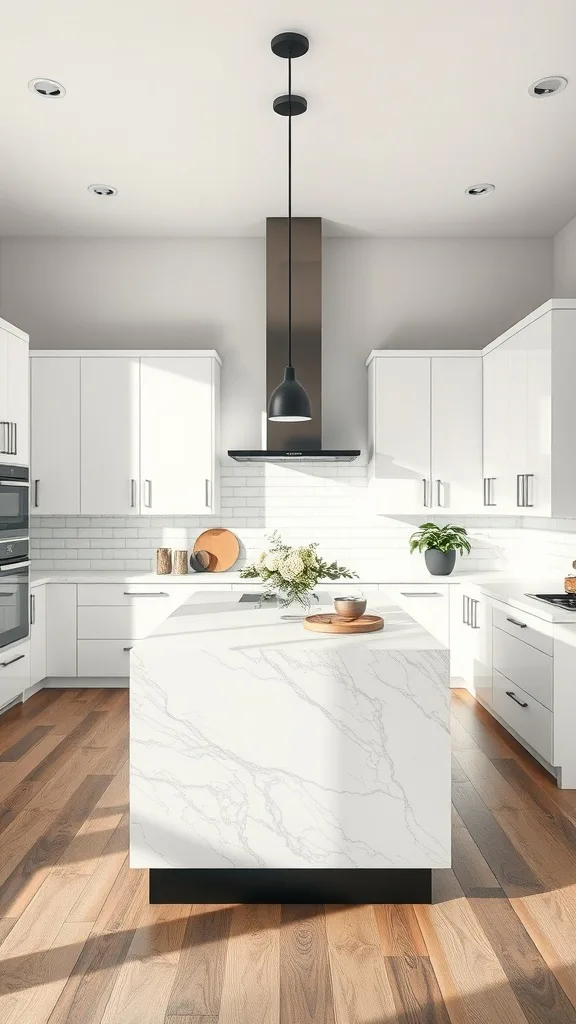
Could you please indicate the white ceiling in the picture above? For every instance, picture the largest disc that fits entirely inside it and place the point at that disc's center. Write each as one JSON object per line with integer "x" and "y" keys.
{"x": 170, "y": 101}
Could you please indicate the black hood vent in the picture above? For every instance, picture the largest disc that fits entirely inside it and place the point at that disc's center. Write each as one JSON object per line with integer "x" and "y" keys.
{"x": 302, "y": 441}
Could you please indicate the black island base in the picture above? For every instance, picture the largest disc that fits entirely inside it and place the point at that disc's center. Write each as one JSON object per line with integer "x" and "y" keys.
{"x": 285, "y": 885}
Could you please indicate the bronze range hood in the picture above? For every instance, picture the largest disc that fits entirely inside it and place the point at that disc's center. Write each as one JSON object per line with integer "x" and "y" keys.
{"x": 295, "y": 442}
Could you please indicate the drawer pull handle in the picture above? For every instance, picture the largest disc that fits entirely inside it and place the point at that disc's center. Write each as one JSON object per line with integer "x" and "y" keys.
{"x": 4, "y": 664}
{"x": 513, "y": 697}
{"x": 521, "y": 625}
{"x": 417, "y": 593}
{"x": 145, "y": 593}
{"x": 126, "y": 648}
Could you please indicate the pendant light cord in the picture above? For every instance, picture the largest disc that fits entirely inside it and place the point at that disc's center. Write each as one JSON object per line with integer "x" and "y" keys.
{"x": 289, "y": 210}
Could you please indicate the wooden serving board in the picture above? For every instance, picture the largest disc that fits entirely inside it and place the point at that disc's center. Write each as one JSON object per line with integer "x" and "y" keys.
{"x": 222, "y": 546}
{"x": 330, "y": 623}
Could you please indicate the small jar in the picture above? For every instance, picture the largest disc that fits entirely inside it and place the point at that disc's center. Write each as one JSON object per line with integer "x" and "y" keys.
{"x": 164, "y": 561}
{"x": 180, "y": 563}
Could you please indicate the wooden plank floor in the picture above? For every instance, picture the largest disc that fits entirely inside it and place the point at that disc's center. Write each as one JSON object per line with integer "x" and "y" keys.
{"x": 79, "y": 943}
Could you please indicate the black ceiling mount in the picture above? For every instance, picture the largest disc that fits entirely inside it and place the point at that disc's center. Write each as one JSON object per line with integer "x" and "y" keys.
{"x": 290, "y": 106}
{"x": 290, "y": 44}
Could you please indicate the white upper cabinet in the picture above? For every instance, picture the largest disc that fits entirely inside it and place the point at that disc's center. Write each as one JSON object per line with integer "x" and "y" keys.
{"x": 110, "y": 436}
{"x": 14, "y": 396}
{"x": 125, "y": 433}
{"x": 178, "y": 443}
{"x": 55, "y": 448}
{"x": 456, "y": 467}
{"x": 528, "y": 415}
{"x": 425, "y": 427}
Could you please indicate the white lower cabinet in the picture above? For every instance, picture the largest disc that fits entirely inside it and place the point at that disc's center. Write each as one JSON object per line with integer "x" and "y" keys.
{"x": 526, "y": 716}
{"x": 14, "y": 672}
{"x": 471, "y": 642}
{"x": 104, "y": 658}
{"x": 61, "y": 631}
{"x": 38, "y": 667}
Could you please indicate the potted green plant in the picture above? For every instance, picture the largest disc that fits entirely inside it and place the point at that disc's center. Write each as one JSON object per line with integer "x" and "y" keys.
{"x": 440, "y": 544}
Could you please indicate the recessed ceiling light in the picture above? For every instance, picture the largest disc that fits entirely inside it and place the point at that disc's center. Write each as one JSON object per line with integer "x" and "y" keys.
{"x": 47, "y": 87}
{"x": 103, "y": 190}
{"x": 479, "y": 190}
{"x": 548, "y": 86}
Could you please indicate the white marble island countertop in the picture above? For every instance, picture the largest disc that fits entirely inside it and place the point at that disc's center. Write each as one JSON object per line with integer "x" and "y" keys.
{"x": 258, "y": 744}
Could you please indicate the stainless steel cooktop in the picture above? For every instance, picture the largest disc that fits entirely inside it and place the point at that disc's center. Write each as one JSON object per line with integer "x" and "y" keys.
{"x": 567, "y": 601}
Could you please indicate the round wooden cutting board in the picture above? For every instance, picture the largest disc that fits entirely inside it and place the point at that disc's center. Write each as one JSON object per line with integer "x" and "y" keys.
{"x": 329, "y": 623}
{"x": 222, "y": 546}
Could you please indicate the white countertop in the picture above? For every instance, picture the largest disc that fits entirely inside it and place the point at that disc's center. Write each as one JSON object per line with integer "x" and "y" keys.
{"x": 229, "y": 624}
{"x": 496, "y": 584}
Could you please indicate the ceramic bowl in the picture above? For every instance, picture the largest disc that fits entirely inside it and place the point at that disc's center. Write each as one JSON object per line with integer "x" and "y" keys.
{"x": 349, "y": 608}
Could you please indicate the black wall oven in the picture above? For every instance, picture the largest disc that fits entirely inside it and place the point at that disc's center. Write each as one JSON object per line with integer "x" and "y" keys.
{"x": 14, "y": 501}
{"x": 14, "y": 591}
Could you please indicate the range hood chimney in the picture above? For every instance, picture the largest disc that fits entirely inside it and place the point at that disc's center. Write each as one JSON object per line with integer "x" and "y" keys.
{"x": 301, "y": 441}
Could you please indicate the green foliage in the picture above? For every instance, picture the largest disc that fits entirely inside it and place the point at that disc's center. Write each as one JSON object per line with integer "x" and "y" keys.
{"x": 442, "y": 538}
{"x": 293, "y": 572}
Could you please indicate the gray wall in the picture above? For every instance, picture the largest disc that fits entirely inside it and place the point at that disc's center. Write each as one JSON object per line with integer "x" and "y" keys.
{"x": 377, "y": 293}
{"x": 565, "y": 262}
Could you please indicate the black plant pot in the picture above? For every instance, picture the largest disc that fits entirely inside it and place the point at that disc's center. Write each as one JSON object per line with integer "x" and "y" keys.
{"x": 439, "y": 563}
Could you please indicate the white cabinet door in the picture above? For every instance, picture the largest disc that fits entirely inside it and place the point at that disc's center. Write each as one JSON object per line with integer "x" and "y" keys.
{"x": 18, "y": 399}
{"x": 55, "y": 456}
{"x": 537, "y": 493}
{"x": 499, "y": 489}
{"x": 61, "y": 630}
{"x": 4, "y": 421}
{"x": 37, "y": 635}
{"x": 110, "y": 432}
{"x": 401, "y": 435}
{"x": 177, "y": 454}
{"x": 14, "y": 672}
{"x": 471, "y": 642}
{"x": 457, "y": 434}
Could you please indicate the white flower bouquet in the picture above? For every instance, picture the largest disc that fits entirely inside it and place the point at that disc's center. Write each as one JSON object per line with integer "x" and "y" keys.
{"x": 293, "y": 572}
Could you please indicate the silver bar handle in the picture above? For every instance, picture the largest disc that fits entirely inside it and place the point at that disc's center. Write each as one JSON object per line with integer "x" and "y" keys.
{"x": 521, "y": 625}
{"x": 132, "y": 493}
{"x": 519, "y": 502}
{"x": 5, "y": 437}
{"x": 485, "y": 491}
{"x": 522, "y": 703}
{"x": 4, "y": 664}
{"x": 488, "y": 481}
{"x": 527, "y": 477}
{"x": 145, "y": 593}
{"x": 127, "y": 648}
{"x": 207, "y": 493}
{"x": 420, "y": 593}
{"x": 32, "y": 609}
{"x": 15, "y": 439}
{"x": 148, "y": 491}
{"x": 465, "y": 610}
{"x": 425, "y": 491}
{"x": 439, "y": 493}
{"x": 13, "y": 565}
{"x": 474, "y": 615}
{"x": 36, "y": 492}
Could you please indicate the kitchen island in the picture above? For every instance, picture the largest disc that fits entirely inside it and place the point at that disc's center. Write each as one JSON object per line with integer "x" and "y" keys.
{"x": 272, "y": 764}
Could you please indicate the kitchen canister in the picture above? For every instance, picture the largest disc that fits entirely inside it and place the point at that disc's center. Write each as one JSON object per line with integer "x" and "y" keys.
{"x": 180, "y": 563}
{"x": 164, "y": 561}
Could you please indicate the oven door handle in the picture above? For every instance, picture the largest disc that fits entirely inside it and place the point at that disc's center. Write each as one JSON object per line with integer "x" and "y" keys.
{"x": 13, "y": 565}
{"x": 15, "y": 483}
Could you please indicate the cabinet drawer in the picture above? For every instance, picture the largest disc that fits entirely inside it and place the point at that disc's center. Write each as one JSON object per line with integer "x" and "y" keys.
{"x": 134, "y": 621}
{"x": 14, "y": 672}
{"x": 118, "y": 594}
{"x": 524, "y": 666}
{"x": 528, "y": 628}
{"x": 104, "y": 657}
{"x": 530, "y": 719}
{"x": 427, "y": 604}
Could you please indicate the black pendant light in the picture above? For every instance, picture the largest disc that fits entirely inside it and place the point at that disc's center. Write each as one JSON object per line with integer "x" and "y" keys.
{"x": 289, "y": 403}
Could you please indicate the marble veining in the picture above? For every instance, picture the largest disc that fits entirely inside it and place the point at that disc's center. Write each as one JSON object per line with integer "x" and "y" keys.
{"x": 289, "y": 754}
